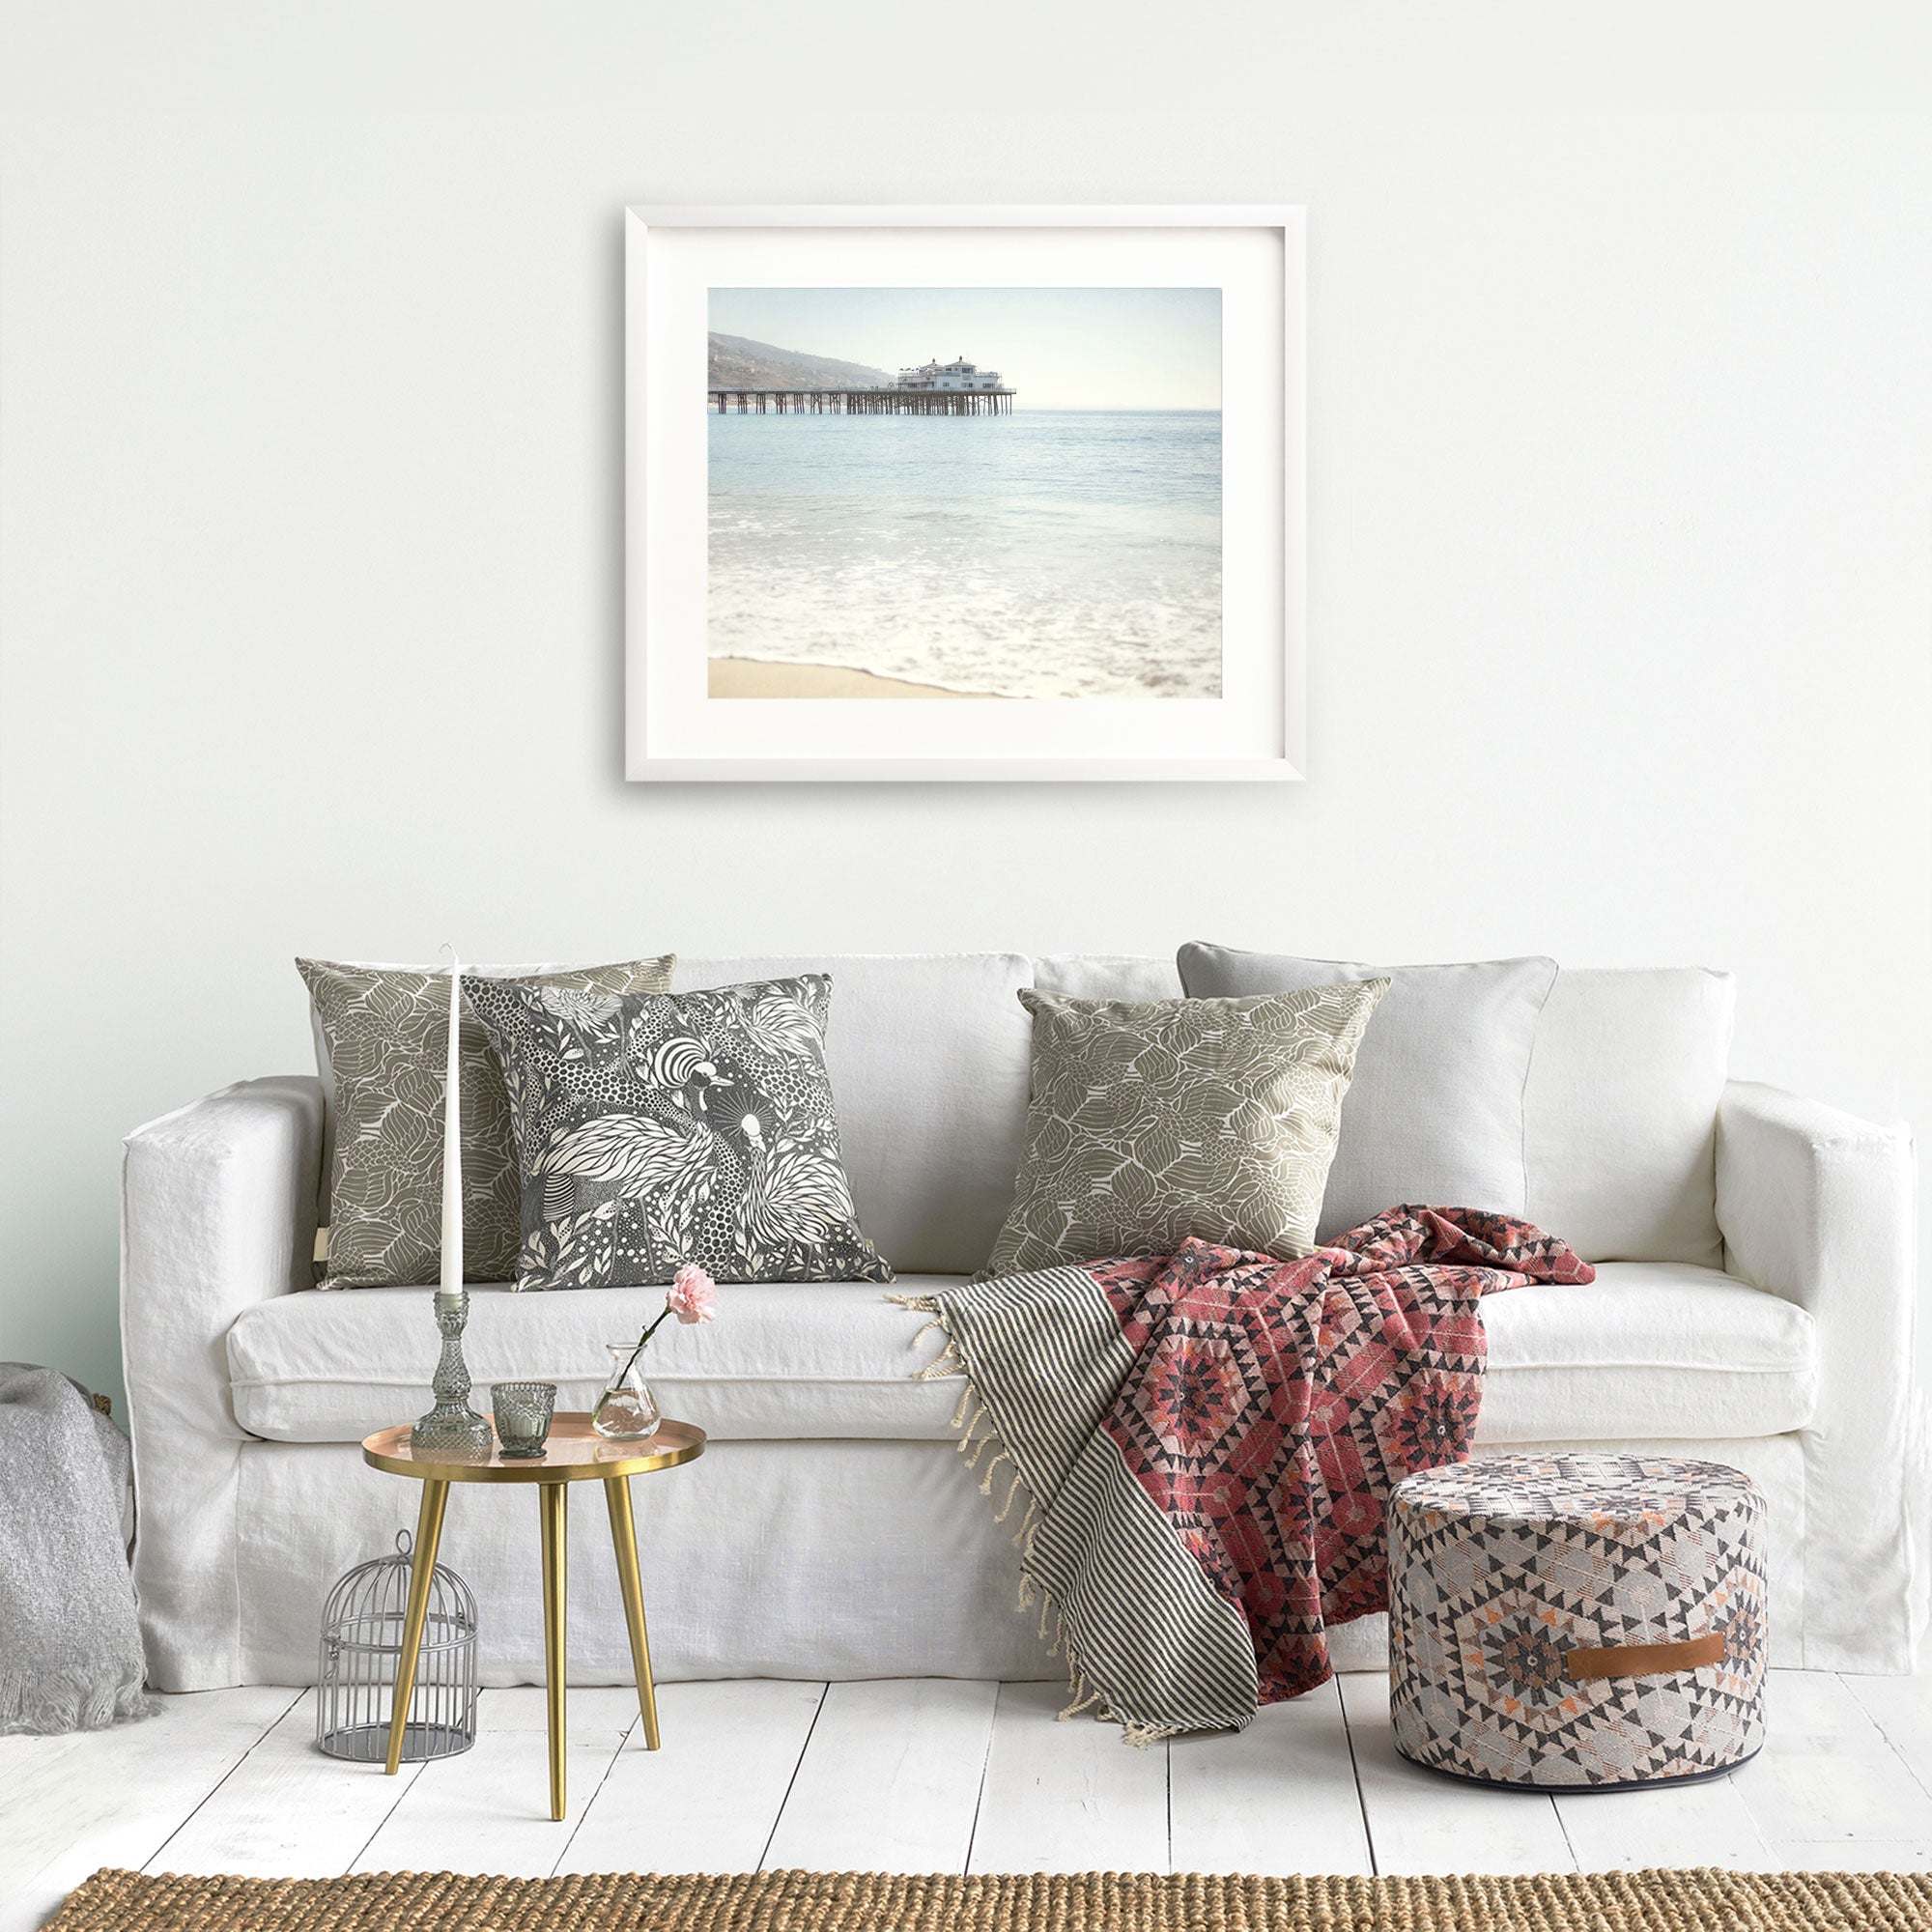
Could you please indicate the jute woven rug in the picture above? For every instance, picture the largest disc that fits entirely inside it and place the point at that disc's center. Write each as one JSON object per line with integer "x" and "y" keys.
{"x": 787, "y": 1901}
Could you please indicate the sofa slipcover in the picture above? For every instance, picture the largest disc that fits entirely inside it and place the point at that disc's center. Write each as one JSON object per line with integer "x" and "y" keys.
{"x": 846, "y": 1555}
{"x": 773, "y": 1559}
{"x": 1648, "y": 1348}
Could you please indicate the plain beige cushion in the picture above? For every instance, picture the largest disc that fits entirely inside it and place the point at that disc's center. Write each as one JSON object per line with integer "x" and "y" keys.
{"x": 1621, "y": 1112}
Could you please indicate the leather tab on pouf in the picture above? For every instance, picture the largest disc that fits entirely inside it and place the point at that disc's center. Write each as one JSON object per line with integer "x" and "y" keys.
{"x": 1586, "y": 1621}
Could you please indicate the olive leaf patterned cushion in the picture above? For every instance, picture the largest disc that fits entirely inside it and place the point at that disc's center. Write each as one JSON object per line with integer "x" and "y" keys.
{"x": 1149, "y": 1122}
{"x": 386, "y": 1034}
{"x": 690, "y": 1127}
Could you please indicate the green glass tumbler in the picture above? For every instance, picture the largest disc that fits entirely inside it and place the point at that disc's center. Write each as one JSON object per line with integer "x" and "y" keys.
{"x": 522, "y": 1413}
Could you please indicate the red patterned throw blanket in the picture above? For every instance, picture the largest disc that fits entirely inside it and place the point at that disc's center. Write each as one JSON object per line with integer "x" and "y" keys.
{"x": 1204, "y": 1443}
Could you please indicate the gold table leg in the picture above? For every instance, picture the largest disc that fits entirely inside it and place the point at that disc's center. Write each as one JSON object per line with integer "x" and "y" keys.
{"x": 554, "y": 1503}
{"x": 422, "y": 1570}
{"x": 624, "y": 1537}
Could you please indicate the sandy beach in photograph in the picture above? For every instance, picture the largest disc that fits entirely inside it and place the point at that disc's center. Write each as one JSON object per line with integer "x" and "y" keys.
{"x": 747, "y": 677}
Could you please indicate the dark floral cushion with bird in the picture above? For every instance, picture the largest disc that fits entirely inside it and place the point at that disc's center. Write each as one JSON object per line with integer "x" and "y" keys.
{"x": 653, "y": 1129}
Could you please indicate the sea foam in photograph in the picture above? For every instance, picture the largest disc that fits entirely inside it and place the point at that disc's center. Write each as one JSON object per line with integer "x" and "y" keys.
{"x": 1035, "y": 514}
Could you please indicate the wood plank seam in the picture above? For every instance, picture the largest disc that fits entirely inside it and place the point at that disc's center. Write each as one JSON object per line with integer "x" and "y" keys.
{"x": 1568, "y": 1844}
{"x": 182, "y": 1822}
{"x": 563, "y": 1852}
{"x": 980, "y": 1796}
{"x": 1877, "y": 1722}
{"x": 403, "y": 1790}
{"x": 791, "y": 1782}
{"x": 1355, "y": 1767}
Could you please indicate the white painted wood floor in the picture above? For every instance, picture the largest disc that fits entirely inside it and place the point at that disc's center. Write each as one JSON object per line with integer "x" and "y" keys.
{"x": 926, "y": 1774}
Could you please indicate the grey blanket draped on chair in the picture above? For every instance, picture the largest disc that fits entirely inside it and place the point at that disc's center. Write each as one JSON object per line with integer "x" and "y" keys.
{"x": 70, "y": 1653}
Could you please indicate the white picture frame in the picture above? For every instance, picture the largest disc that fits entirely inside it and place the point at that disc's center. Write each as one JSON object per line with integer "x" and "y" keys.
{"x": 1254, "y": 730}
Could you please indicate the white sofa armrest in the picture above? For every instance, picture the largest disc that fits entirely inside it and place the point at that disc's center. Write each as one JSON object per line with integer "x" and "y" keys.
{"x": 1820, "y": 1207}
{"x": 217, "y": 1211}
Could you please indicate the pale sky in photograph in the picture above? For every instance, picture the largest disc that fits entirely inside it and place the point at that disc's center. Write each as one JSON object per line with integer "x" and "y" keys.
{"x": 1060, "y": 349}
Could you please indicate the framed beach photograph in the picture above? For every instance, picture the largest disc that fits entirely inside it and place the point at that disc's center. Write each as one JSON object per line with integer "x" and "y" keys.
{"x": 964, "y": 492}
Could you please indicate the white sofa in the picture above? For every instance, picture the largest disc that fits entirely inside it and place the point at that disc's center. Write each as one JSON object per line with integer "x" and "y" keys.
{"x": 1754, "y": 1305}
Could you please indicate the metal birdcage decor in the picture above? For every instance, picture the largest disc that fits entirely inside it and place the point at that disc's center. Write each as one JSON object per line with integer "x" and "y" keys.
{"x": 362, "y": 1645}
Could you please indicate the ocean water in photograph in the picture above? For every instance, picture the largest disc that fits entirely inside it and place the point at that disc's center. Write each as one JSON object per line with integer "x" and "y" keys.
{"x": 1047, "y": 554}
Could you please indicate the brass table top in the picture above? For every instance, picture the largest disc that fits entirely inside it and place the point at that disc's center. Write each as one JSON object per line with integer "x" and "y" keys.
{"x": 575, "y": 1453}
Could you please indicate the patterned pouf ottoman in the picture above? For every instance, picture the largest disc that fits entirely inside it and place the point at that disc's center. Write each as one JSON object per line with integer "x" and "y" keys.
{"x": 1588, "y": 1622}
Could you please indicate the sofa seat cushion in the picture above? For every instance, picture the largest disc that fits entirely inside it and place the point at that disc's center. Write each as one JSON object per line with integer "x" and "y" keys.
{"x": 1650, "y": 1350}
{"x": 781, "y": 1360}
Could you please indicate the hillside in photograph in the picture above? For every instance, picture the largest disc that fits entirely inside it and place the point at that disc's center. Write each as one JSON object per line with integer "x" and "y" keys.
{"x": 739, "y": 363}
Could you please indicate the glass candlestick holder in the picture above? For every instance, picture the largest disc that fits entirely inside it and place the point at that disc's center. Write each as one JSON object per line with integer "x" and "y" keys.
{"x": 452, "y": 1431}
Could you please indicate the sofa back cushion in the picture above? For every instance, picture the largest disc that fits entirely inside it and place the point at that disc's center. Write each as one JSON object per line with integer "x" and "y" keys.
{"x": 1106, "y": 976}
{"x": 1621, "y": 1110}
{"x": 927, "y": 1054}
{"x": 1433, "y": 1115}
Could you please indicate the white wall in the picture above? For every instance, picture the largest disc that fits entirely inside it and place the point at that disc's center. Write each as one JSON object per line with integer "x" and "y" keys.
{"x": 310, "y": 509}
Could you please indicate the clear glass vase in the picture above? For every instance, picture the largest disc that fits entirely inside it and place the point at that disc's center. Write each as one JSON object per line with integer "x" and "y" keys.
{"x": 627, "y": 1408}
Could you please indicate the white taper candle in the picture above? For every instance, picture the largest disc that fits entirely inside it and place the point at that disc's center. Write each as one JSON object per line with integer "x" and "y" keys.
{"x": 452, "y": 1143}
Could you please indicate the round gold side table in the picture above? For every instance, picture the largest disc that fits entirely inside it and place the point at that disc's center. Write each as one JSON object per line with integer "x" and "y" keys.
{"x": 575, "y": 1453}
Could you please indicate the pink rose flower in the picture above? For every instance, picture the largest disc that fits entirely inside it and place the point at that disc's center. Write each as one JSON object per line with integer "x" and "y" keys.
{"x": 693, "y": 1295}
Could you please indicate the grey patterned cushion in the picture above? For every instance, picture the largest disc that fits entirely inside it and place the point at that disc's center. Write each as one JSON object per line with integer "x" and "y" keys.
{"x": 385, "y": 1031}
{"x": 696, "y": 1126}
{"x": 1149, "y": 1122}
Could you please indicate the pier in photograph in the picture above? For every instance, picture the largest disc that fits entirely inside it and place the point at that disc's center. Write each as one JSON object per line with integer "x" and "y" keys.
{"x": 886, "y": 402}
{"x": 955, "y": 388}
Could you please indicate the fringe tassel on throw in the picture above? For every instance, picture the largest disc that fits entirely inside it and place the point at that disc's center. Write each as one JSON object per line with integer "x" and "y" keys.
{"x": 947, "y": 1362}
{"x": 1082, "y": 1697}
{"x": 979, "y": 1432}
{"x": 944, "y": 1365}
{"x": 1005, "y": 1510}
